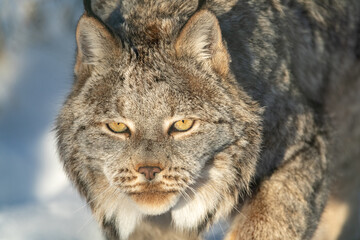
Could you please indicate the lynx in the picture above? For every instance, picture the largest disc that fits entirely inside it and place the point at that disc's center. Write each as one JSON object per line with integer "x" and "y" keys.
{"x": 185, "y": 114}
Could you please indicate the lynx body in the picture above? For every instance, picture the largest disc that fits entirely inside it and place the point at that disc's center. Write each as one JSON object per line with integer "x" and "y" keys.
{"x": 185, "y": 113}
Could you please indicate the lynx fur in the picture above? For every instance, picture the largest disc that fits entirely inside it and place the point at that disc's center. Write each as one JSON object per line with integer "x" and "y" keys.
{"x": 272, "y": 88}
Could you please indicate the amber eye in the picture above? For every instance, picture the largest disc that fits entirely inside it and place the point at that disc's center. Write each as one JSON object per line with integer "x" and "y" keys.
{"x": 183, "y": 125}
{"x": 117, "y": 127}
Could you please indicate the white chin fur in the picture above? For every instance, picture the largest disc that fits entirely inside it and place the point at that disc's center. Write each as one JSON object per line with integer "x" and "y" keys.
{"x": 148, "y": 209}
{"x": 188, "y": 214}
{"x": 127, "y": 216}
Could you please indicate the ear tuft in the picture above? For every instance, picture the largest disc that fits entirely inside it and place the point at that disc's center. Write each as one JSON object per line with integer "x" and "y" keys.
{"x": 95, "y": 43}
{"x": 201, "y": 39}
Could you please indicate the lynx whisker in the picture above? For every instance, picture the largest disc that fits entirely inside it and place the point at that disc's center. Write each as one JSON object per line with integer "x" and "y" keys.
{"x": 185, "y": 196}
{"x": 222, "y": 229}
{"x": 87, "y": 222}
{"x": 92, "y": 200}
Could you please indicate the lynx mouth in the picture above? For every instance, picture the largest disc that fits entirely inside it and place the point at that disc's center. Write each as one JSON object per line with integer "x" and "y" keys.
{"x": 155, "y": 202}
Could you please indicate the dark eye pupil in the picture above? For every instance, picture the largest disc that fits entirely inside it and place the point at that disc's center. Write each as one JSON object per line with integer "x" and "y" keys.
{"x": 183, "y": 121}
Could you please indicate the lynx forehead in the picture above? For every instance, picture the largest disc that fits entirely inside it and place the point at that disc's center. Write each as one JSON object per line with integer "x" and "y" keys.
{"x": 179, "y": 119}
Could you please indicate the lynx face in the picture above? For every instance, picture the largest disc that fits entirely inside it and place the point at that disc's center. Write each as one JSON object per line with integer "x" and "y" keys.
{"x": 149, "y": 106}
{"x": 166, "y": 130}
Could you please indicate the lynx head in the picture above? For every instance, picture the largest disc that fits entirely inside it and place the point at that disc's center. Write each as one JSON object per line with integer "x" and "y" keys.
{"x": 158, "y": 129}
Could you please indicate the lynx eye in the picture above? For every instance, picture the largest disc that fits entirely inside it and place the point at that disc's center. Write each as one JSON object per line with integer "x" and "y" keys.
{"x": 117, "y": 127}
{"x": 183, "y": 125}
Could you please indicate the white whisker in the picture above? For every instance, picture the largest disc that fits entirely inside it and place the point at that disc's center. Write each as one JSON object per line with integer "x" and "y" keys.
{"x": 222, "y": 230}
{"x": 92, "y": 200}
{"x": 88, "y": 221}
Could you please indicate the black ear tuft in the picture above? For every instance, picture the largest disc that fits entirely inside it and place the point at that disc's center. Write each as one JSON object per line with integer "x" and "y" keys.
{"x": 89, "y": 11}
{"x": 88, "y": 8}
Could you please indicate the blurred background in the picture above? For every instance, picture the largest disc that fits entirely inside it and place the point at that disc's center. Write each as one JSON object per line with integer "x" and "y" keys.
{"x": 37, "y": 49}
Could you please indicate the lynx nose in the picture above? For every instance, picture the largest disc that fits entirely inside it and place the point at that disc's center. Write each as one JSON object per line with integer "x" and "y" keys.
{"x": 149, "y": 172}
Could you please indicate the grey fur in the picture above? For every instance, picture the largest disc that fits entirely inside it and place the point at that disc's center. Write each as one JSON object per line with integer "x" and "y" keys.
{"x": 258, "y": 78}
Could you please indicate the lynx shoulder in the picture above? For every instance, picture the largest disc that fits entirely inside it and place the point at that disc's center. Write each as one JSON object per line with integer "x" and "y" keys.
{"x": 186, "y": 114}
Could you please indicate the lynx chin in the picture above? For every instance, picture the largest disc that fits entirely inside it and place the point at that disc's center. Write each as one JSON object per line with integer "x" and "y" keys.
{"x": 189, "y": 113}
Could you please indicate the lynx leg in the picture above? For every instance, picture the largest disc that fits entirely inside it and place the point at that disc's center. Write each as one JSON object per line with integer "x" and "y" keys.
{"x": 288, "y": 205}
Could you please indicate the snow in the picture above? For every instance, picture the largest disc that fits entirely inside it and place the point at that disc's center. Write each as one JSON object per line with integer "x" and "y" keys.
{"x": 51, "y": 219}
{"x": 36, "y": 56}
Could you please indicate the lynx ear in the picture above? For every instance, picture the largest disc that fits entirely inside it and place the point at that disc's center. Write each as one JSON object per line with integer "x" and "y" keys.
{"x": 201, "y": 39}
{"x": 95, "y": 43}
